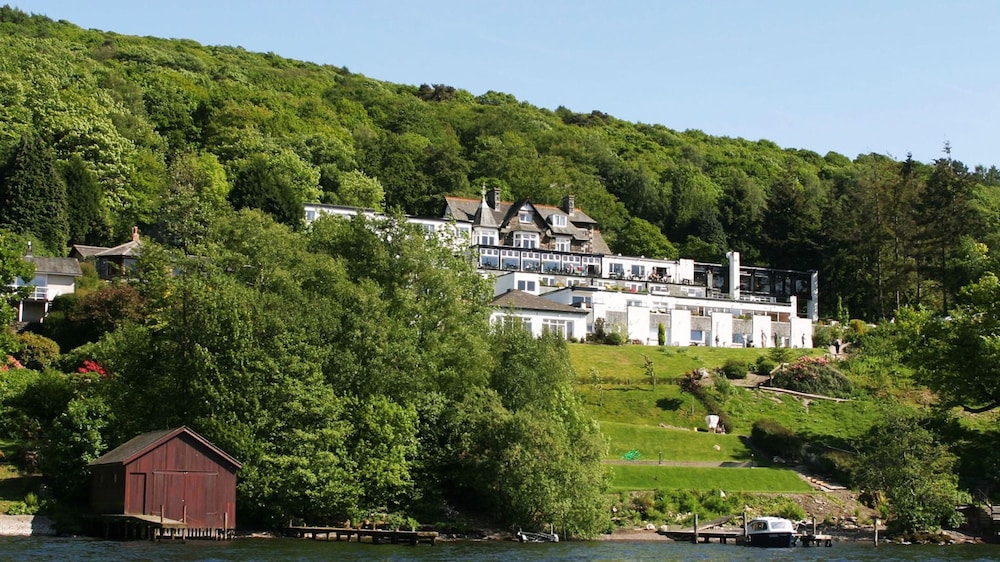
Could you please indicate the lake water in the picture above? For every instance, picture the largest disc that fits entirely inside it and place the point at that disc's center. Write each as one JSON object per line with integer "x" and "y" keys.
{"x": 65, "y": 549}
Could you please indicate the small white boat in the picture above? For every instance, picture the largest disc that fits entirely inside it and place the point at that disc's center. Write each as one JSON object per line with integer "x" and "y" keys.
{"x": 771, "y": 532}
{"x": 537, "y": 537}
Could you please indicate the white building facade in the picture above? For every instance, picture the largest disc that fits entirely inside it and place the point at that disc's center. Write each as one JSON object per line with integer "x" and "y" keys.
{"x": 558, "y": 253}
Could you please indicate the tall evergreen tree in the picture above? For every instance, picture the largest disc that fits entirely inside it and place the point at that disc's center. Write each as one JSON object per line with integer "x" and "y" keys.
{"x": 945, "y": 216}
{"x": 33, "y": 196}
{"x": 83, "y": 194}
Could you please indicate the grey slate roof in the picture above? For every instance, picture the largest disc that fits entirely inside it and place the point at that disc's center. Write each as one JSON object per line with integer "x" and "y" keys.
{"x": 480, "y": 214}
{"x": 138, "y": 445}
{"x": 130, "y": 248}
{"x": 55, "y": 266}
{"x": 526, "y": 301}
{"x": 84, "y": 251}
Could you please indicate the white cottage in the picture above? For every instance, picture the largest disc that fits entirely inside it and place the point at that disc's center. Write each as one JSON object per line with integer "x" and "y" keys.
{"x": 53, "y": 277}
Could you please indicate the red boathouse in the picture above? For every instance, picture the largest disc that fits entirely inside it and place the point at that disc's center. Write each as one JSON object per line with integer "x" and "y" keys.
{"x": 170, "y": 479}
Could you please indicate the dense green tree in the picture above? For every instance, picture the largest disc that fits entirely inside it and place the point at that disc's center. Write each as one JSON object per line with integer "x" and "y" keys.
{"x": 790, "y": 224}
{"x": 958, "y": 356}
{"x": 354, "y": 189}
{"x": 195, "y": 195}
{"x": 641, "y": 238}
{"x": 33, "y": 195}
{"x": 911, "y": 474}
{"x": 87, "y": 224}
{"x": 278, "y": 187}
{"x": 945, "y": 216}
{"x": 12, "y": 266}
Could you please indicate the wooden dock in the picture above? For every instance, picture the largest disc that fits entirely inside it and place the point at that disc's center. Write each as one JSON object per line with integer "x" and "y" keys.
{"x": 374, "y": 536}
{"x": 704, "y": 536}
{"x": 155, "y": 527}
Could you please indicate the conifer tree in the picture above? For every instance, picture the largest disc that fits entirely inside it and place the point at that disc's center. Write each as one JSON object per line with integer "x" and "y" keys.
{"x": 33, "y": 196}
{"x": 83, "y": 195}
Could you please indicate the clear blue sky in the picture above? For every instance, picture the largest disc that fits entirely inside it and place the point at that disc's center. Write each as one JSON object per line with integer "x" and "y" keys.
{"x": 853, "y": 76}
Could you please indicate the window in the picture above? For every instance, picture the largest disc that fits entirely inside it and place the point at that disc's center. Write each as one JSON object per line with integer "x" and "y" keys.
{"x": 526, "y": 239}
{"x": 489, "y": 259}
{"x": 562, "y": 244}
{"x": 310, "y": 216}
{"x": 617, "y": 270}
{"x": 638, "y": 271}
{"x": 526, "y": 216}
{"x": 562, "y": 327}
{"x": 517, "y": 321}
{"x": 523, "y": 285}
{"x": 558, "y": 220}
{"x": 487, "y": 238}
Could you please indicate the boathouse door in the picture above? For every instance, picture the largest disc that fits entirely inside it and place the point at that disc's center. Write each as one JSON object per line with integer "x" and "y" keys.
{"x": 168, "y": 493}
{"x": 136, "y": 496}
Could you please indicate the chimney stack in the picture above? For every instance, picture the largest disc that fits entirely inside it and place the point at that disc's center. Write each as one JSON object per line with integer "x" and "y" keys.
{"x": 493, "y": 197}
{"x": 135, "y": 233}
{"x": 569, "y": 204}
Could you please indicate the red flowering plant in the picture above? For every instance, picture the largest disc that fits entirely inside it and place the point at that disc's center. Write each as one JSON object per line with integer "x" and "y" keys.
{"x": 9, "y": 363}
{"x": 813, "y": 375}
{"x": 90, "y": 366}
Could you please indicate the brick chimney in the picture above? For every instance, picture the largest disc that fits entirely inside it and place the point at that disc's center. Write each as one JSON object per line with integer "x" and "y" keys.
{"x": 568, "y": 204}
{"x": 135, "y": 233}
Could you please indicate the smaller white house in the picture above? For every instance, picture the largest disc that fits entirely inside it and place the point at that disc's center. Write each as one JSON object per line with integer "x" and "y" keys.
{"x": 53, "y": 277}
{"x": 540, "y": 315}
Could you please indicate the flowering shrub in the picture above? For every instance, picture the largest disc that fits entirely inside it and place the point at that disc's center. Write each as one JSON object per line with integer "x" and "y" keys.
{"x": 813, "y": 375}
{"x": 10, "y": 363}
{"x": 92, "y": 367}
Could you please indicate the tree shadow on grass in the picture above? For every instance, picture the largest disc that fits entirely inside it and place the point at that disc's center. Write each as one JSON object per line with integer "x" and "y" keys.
{"x": 14, "y": 489}
{"x": 669, "y": 404}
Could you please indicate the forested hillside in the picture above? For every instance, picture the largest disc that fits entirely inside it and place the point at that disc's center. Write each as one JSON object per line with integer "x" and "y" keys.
{"x": 165, "y": 134}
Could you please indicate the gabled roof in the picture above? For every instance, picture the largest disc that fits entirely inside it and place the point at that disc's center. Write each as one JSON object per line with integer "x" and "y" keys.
{"x": 463, "y": 208}
{"x": 526, "y": 301}
{"x": 55, "y": 266}
{"x": 84, "y": 251}
{"x": 128, "y": 249}
{"x": 140, "y": 445}
{"x": 511, "y": 221}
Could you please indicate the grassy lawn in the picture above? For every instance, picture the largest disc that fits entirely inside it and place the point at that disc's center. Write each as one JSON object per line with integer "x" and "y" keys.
{"x": 817, "y": 418}
{"x": 673, "y": 444}
{"x": 641, "y": 404}
{"x": 623, "y": 362}
{"x": 757, "y": 480}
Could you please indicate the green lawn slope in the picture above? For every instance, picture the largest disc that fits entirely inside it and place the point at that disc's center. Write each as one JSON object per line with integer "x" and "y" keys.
{"x": 661, "y": 424}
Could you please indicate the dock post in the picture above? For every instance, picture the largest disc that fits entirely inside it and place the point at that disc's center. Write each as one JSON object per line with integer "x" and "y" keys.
{"x": 695, "y": 528}
{"x": 746, "y": 534}
{"x": 876, "y": 532}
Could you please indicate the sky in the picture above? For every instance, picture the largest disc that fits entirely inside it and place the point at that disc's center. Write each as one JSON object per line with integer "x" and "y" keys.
{"x": 892, "y": 77}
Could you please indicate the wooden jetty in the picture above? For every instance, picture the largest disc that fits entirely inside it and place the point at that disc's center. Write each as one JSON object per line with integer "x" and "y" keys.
{"x": 156, "y": 527}
{"x": 704, "y": 536}
{"x": 374, "y": 536}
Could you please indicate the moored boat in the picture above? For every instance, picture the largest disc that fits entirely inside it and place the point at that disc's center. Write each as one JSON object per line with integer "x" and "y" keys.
{"x": 771, "y": 532}
{"x": 524, "y": 536}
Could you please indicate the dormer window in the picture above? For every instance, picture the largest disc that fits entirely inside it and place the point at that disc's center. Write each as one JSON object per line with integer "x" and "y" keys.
{"x": 526, "y": 216}
{"x": 525, "y": 239}
{"x": 558, "y": 220}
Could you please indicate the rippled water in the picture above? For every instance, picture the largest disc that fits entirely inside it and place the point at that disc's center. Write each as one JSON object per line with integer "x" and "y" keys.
{"x": 43, "y": 549}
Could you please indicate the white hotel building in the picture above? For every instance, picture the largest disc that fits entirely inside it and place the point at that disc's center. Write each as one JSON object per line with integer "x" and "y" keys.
{"x": 534, "y": 252}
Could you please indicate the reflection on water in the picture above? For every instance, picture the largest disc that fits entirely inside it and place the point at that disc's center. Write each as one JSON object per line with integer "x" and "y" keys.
{"x": 37, "y": 548}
